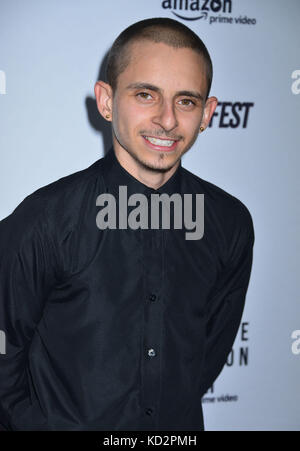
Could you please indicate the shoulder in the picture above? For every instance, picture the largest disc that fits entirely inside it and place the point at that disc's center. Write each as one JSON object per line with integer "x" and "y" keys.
{"x": 52, "y": 206}
{"x": 223, "y": 202}
{"x": 225, "y": 213}
{"x": 69, "y": 185}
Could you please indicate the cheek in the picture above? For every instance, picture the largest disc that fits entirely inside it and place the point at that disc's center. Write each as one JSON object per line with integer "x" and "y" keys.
{"x": 131, "y": 119}
{"x": 190, "y": 125}
{"x": 119, "y": 119}
{"x": 124, "y": 115}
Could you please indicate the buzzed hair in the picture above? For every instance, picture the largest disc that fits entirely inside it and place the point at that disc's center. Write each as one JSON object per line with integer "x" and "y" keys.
{"x": 160, "y": 29}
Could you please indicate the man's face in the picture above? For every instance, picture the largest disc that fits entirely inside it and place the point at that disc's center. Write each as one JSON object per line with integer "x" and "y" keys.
{"x": 159, "y": 104}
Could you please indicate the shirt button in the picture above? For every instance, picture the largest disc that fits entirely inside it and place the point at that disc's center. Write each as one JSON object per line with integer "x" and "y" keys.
{"x": 152, "y": 297}
{"x": 151, "y": 353}
{"x": 149, "y": 411}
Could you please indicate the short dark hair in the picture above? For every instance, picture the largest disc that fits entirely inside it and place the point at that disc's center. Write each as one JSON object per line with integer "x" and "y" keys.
{"x": 160, "y": 29}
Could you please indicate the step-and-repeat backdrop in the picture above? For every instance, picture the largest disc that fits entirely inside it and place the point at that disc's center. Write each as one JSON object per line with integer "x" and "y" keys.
{"x": 51, "y": 54}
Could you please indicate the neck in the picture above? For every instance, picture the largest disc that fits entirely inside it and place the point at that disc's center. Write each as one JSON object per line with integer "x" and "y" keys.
{"x": 149, "y": 177}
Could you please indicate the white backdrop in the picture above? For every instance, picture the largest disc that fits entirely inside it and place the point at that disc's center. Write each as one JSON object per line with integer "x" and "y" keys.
{"x": 50, "y": 56}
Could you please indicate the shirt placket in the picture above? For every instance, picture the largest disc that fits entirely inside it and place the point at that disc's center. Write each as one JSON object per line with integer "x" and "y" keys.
{"x": 153, "y": 268}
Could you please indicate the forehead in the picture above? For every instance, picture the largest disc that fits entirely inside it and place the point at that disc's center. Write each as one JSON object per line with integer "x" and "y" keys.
{"x": 164, "y": 66}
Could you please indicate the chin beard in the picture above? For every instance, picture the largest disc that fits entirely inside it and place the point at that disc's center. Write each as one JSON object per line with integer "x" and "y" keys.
{"x": 143, "y": 163}
{"x": 152, "y": 166}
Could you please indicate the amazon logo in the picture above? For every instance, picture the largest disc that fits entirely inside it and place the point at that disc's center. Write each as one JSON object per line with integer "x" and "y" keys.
{"x": 196, "y": 9}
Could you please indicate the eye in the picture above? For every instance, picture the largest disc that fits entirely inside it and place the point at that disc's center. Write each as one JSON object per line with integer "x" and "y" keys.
{"x": 144, "y": 95}
{"x": 186, "y": 102}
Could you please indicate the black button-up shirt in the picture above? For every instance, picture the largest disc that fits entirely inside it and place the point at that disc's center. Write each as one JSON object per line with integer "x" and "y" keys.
{"x": 116, "y": 329}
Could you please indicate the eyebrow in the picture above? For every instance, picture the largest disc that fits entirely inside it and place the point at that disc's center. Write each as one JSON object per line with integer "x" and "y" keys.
{"x": 187, "y": 93}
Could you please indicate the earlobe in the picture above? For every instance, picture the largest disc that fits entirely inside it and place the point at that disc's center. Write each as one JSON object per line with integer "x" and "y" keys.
{"x": 103, "y": 95}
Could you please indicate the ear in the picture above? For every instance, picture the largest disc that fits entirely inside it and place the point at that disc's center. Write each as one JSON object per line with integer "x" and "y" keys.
{"x": 103, "y": 94}
{"x": 209, "y": 109}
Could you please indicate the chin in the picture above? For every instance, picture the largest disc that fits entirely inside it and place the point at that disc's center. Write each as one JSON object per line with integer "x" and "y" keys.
{"x": 160, "y": 162}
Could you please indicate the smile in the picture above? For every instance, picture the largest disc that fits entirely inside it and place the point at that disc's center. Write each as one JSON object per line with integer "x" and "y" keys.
{"x": 160, "y": 142}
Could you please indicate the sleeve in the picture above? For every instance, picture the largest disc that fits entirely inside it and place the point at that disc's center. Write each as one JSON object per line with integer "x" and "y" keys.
{"x": 27, "y": 273}
{"x": 226, "y": 305}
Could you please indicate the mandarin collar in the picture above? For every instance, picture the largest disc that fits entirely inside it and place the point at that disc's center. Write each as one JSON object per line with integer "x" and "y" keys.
{"x": 115, "y": 175}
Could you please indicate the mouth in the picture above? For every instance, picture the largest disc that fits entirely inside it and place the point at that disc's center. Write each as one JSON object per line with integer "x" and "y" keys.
{"x": 162, "y": 144}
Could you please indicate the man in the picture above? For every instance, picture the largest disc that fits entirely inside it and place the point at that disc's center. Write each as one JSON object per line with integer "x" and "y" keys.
{"x": 110, "y": 324}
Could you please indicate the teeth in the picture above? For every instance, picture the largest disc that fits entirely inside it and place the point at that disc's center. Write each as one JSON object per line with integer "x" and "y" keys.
{"x": 160, "y": 142}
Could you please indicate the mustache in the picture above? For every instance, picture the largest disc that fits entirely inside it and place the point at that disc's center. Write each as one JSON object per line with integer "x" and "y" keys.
{"x": 161, "y": 134}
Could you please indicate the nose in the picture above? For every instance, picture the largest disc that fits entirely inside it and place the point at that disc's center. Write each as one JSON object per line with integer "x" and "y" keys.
{"x": 166, "y": 117}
